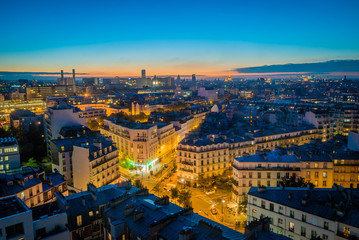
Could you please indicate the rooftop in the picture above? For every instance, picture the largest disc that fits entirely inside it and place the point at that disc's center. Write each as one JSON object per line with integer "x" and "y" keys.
{"x": 9, "y": 141}
{"x": 11, "y": 205}
{"x": 129, "y": 124}
{"x": 337, "y": 204}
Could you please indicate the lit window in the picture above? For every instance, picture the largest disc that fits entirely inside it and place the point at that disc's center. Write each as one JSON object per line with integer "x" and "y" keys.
{"x": 90, "y": 213}
{"x": 79, "y": 220}
{"x": 324, "y": 174}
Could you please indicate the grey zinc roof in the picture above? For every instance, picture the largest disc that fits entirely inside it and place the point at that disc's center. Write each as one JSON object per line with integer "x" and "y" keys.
{"x": 321, "y": 201}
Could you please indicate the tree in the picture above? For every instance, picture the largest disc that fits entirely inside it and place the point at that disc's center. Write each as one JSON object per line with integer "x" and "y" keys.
{"x": 292, "y": 181}
{"x": 94, "y": 125}
{"x": 174, "y": 193}
{"x": 139, "y": 184}
{"x": 184, "y": 197}
{"x": 31, "y": 163}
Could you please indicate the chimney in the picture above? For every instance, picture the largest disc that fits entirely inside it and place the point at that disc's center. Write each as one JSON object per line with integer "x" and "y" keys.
{"x": 73, "y": 75}
{"x": 137, "y": 215}
{"x": 185, "y": 233}
{"x": 93, "y": 190}
{"x": 129, "y": 209}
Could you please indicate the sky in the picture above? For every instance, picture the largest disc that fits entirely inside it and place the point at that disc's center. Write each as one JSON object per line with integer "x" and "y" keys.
{"x": 119, "y": 38}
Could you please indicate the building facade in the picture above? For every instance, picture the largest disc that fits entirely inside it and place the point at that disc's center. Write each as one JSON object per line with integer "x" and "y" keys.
{"x": 304, "y": 213}
{"x": 9, "y": 154}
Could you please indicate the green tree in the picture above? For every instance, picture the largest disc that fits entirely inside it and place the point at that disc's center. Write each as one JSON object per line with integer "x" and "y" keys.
{"x": 292, "y": 181}
{"x": 184, "y": 197}
{"x": 139, "y": 184}
{"x": 31, "y": 163}
{"x": 94, "y": 125}
{"x": 174, "y": 193}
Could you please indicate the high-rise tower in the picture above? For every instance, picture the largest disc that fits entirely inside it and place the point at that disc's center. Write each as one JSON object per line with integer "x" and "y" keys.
{"x": 143, "y": 73}
{"x": 74, "y": 82}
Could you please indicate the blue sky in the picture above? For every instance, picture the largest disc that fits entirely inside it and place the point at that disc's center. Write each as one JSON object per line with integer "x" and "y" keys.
{"x": 173, "y": 37}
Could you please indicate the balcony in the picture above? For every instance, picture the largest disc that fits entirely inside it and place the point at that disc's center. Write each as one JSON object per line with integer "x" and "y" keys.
{"x": 186, "y": 170}
{"x": 187, "y": 163}
{"x": 347, "y": 236}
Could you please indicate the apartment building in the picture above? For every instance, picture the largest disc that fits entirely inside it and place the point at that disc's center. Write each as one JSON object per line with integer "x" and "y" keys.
{"x": 143, "y": 144}
{"x": 308, "y": 161}
{"x": 22, "y": 119}
{"x": 346, "y": 169}
{"x": 305, "y": 213}
{"x": 96, "y": 162}
{"x": 187, "y": 124}
{"x": 264, "y": 169}
{"x": 32, "y": 186}
{"x": 56, "y": 118}
{"x": 234, "y": 146}
{"x": 18, "y": 221}
{"x": 324, "y": 120}
{"x": 201, "y": 157}
{"x": 9, "y": 154}
{"x": 90, "y": 113}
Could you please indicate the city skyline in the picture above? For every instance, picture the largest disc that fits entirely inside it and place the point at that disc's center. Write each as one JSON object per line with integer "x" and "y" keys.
{"x": 174, "y": 38}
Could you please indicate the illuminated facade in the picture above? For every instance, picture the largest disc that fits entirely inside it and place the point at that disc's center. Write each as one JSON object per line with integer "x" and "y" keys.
{"x": 201, "y": 158}
{"x": 95, "y": 162}
{"x": 144, "y": 145}
{"x": 9, "y": 154}
{"x": 304, "y": 213}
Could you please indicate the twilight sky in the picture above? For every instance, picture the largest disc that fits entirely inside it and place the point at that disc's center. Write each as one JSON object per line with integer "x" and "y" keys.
{"x": 118, "y": 37}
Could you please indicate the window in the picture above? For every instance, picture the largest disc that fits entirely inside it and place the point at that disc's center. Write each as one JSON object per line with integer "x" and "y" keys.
{"x": 263, "y": 204}
{"x": 346, "y": 231}
{"x": 250, "y": 175}
{"x": 303, "y": 231}
{"x": 316, "y": 165}
{"x": 79, "y": 220}
{"x": 325, "y": 237}
{"x": 316, "y": 174}
{"x": 291, "y": 227}
{"x": 291, "y": 213}
{"x": 304, "y": 218}
{"x": 326, "y": 225}
{"x": 325, "y": 165}
{"x": 278, "y": 175}
{"x": 40, "y": 233}
{"x": 280, "y": 221}
{"x": 259, "y": 175}
{"x": 308, "y": 174}
{"x": 271, "y": 207}
{"x": 268, "y": 175}
{"x": 268, "y": 183}
{"x": 14, "y": 230}
{"x": 91, "y": 213}
{"x": 314, "y": 234}
{"x": 324, "y": 183}
{"x": 280, "y": 210}
{"x": 324, "y": 174}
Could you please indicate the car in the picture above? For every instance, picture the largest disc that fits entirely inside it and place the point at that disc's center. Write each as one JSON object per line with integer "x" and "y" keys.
{"x": 209, "y": 192}
{"x": 214, "y": 211}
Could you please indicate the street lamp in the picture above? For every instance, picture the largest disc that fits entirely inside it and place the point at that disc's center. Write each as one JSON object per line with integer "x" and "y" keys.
{"x": 223, "y": 201}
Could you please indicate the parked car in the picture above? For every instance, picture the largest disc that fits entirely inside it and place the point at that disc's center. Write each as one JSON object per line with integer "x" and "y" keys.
{"x": 209, "y": 192}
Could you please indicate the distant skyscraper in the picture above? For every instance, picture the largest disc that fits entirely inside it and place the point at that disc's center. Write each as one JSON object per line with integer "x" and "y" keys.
{"x": 178, "y": 77}
{"x": 74, "y": 83}
{"x": 193, "y": 77}
{"x": 143, "y": 73}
